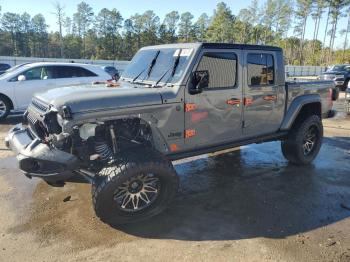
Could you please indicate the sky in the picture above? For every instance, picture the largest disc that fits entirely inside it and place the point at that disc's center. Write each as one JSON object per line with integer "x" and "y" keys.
{"x": 130, "y": 7}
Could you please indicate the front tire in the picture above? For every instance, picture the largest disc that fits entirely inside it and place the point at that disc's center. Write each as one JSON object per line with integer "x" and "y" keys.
{"x": 140, "y": 186}
{"x": 5, "y": 107}
{"x": 304, "y": 141}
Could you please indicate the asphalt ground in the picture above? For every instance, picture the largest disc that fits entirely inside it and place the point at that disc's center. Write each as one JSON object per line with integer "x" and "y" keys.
{"x": 246, "y": 205}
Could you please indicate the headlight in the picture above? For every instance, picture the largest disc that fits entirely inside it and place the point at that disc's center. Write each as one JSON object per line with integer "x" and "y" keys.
{"x": 87, "y": 130}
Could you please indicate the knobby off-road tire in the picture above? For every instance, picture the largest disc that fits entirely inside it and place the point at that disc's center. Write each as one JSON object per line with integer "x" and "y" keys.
{"x": 304, "y": 141}
{"x": 5, "y": 106}
{"x": 145, "y": 177}
{"x": 335, "y": 93}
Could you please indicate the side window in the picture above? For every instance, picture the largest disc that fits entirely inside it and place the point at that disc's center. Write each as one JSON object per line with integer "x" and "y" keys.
{"x": 82, "y": 72}
{"x": 48, "y": 72}
{"x": 261, "y": 69}
{"x": 63, "y": 72}
{"x": 36, "y": 73}
{"x": 222, "y": 69}
{"x": 70, "y": 72}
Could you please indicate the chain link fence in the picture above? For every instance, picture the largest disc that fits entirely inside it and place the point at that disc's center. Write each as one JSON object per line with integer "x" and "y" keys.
{"x": 296, "y": 71}
{"x": 291, "y": 71}
{"x": 12, "y": 61}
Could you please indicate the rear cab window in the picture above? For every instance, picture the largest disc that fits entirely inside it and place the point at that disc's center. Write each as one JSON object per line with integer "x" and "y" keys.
{"x": 261, "y": 69}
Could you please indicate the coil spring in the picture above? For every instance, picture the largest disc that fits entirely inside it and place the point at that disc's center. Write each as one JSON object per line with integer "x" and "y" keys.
{"x": 103, "y": 150}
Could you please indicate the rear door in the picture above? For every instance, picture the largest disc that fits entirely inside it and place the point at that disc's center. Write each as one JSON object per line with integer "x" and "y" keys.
{"x": 66, "y": 75}
{"x": 263, "y": 96}
{"x": 214, "y": 116}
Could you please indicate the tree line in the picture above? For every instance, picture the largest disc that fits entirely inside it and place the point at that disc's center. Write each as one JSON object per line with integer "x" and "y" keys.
{"x": 107, "y": 35}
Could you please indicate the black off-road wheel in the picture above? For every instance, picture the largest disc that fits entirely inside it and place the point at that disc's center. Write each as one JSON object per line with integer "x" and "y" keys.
{"x": 304, "y": 141}
{"x": 5, "y": 107}
{"x": 140, "y": 186}
{"x": 343, "y": 88}
{"x": 335, "y": 93}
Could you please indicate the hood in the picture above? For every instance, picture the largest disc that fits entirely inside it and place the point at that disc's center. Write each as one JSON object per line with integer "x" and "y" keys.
{"x": 95, "y": 98}
{"x": 335, "y": 73}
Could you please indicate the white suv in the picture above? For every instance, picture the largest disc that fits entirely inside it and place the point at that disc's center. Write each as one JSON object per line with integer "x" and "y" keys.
{"x": 18, "y": 86}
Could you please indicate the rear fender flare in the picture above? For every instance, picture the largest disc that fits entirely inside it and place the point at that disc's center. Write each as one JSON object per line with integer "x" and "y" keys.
{"x": 295, "y": 108}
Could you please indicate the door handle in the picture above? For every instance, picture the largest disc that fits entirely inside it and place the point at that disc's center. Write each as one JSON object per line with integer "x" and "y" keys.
{"x": 270, "y": 98}
{"x": 233, "y": 102}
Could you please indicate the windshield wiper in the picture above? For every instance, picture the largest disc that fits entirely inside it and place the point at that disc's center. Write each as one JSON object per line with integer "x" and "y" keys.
{"x": 154, "y": 60}
{"x": 149, "y": 68}
{"x": 138, "y": 75}
{"x": 176, "y": 63}
{"x": 173, "y": 68}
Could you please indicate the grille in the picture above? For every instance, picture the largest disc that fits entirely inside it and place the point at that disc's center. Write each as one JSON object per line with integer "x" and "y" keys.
{"x": 36, "y": 126}
{"x": 39, "y": 105}
{"x": 329, "y": 77}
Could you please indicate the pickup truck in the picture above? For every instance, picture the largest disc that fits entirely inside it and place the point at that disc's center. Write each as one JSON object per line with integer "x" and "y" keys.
{"x": 172, "y": 102}
{"x": 340, "y": 74}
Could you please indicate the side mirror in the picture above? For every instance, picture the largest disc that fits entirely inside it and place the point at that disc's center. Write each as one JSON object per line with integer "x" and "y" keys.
{"x": 200, "y": 80}
{"x": 21, "y": 78}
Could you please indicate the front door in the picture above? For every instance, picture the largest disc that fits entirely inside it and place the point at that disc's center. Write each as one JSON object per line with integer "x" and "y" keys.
{"x": 214, "y": 116}
{"x": 37, "y": 80}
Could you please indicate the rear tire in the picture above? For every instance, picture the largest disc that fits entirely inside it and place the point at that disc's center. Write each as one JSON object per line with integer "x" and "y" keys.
{"x": 140, "y": 186}
{"x": 335, "y": 93}
{"x": 304, "y": 141}
{"x": 5, "y": 107}
{"x": 343, "y": 88}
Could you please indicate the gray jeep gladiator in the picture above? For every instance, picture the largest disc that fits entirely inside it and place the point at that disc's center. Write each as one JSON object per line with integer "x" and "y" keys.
{"x": 171, "y": 102}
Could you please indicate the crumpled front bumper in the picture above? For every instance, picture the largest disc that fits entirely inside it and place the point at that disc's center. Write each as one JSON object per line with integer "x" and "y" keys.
{"x": 36, "y": 158}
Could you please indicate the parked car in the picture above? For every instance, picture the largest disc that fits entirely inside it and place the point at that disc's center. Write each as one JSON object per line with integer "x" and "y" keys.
{"x": 16, "y": 67}
{"x": 4, "y": 67}
{"x": 347, "y": 100}
{"x": 340, "y": 74}
{"x": 173, "y": 101}
{"x": 112, "y": 71}
{"x": 18, "y": 86}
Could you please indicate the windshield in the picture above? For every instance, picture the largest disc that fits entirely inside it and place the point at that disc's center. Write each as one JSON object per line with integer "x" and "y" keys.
{"x": 162, "y": 69}
{"x": 340, "y": 68}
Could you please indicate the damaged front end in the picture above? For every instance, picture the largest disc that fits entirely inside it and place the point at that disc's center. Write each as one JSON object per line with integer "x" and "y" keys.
{"x": 36, "y": 154}
{"x": 46, "y": 149}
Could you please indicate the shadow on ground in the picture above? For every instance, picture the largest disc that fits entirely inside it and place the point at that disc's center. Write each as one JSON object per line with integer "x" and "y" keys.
{"x": 12, "y": 119}
{"x": 249, "y": 193}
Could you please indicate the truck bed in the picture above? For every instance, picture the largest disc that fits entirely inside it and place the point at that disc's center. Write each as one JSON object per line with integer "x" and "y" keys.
{"x": 320, "y": 87}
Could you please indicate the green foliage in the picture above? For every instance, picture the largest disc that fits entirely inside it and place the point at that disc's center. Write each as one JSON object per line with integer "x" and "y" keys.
{"x": 221, "y": 28}
{"x": 186, "y": 30}
{"x": 106, "y": 35}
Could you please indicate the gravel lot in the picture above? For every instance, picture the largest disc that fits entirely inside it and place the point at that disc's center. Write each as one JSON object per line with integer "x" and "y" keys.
{"x": 246, "y": 205}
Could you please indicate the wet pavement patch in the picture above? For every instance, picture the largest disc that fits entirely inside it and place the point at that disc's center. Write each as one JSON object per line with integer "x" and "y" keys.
{"x": 249, "y": 193}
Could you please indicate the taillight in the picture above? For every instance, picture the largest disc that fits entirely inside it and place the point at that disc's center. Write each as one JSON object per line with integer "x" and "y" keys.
{"x": 330, "y": 97}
